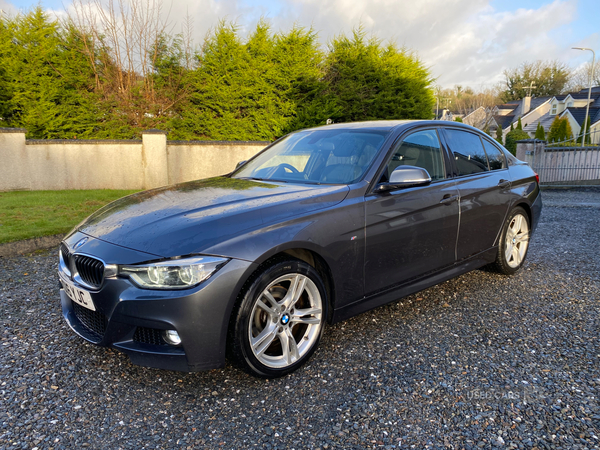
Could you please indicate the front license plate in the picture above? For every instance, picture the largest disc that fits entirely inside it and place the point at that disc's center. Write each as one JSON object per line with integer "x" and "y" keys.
{"x": 79, "y": 296}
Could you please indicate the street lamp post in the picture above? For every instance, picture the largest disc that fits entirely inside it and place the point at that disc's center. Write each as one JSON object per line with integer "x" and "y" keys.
{"x": 587, "y": 108}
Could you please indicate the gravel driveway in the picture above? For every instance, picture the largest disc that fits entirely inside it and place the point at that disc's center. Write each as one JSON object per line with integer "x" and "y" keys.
{"x": 481, "y": 361}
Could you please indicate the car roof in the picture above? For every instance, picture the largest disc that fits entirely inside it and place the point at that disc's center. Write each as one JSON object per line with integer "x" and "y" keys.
{"x": 375, "y": 125}
{"x": 389, "y": 125}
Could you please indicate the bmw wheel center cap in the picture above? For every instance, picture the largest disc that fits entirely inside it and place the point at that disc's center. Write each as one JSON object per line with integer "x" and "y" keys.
{"x": 285, "y": 319}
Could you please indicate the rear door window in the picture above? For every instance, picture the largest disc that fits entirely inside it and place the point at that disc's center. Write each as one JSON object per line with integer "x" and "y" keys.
{"x": 495, "y": 156}
{"x": 467, "y": 150}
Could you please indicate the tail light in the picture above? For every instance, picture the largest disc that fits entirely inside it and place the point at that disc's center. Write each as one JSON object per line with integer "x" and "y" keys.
{"x": 537, "y": 178}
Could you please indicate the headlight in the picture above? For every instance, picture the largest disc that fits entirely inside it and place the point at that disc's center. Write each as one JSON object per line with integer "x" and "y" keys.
{"x": 173, "y": 274}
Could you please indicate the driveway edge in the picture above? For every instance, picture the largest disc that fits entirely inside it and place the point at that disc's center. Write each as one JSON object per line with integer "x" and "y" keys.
{"x": 30, "y": 245}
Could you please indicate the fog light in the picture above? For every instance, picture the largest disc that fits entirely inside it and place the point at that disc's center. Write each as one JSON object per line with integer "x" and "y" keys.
{"x": 171, "y": 337}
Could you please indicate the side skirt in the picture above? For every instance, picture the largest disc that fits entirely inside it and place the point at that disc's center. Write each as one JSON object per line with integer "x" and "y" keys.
{"x": 399, "y": 292}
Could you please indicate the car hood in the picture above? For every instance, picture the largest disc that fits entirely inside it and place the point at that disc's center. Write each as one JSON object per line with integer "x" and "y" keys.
{"x": 190, "y": 217}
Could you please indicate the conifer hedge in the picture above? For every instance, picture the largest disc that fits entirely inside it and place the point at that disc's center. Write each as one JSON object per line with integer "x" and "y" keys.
{"x": 64, "y": 80}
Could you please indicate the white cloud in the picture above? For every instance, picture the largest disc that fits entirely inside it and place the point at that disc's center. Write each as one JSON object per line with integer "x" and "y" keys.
{"x": 463, "y": 41}
{"x": 7, "y": 7}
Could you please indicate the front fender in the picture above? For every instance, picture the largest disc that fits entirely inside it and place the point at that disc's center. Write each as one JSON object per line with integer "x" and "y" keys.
{"x": 335, "y": 234}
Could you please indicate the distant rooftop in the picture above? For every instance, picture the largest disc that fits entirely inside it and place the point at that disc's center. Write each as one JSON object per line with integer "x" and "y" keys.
{"x": 584, "y": 95}
{"x": 579, "y": 114}
{"x": 595, "y": 89}
{"x": 546, "y": 120}
{"x": 504, "y": 121}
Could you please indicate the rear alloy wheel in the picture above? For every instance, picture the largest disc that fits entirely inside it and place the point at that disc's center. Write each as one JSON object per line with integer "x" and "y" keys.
{"x": 280, "y": 319}
{"x": 514, "y": 242}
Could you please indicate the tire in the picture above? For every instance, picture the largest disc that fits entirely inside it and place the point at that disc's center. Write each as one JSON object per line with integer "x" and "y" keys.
{"x": 514, "y": 242}
{"x": 280, "y": 319}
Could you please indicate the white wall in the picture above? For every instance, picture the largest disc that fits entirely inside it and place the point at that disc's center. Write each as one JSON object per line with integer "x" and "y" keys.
{"x": 194, "y": 160}
{"x": 111, "y": 164}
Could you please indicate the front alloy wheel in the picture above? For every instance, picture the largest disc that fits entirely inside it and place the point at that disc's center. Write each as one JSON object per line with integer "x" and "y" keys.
{"x": 286, "y": 321}
{"x": 280, "y": 319}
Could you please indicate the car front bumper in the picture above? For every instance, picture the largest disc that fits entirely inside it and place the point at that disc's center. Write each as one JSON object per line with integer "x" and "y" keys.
{"x": 131, "y": 319}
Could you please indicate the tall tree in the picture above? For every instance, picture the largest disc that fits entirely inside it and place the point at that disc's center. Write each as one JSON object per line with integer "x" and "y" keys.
{"x": 253, "y": 89}
{"x": 49, "y": 82}
{"x": 300, "y": 61}
{"x": 548, "y": 78}
{"x": 499, "y": 134}
{"x": 138, "y": 64}
{"x": 464, "y": 100}
{"x": 581, "y": 77}
{"x": 560, "y": 130}
{"x": 587, "y": 132}
{"x": 5, "y": 85}
{"x": 540, "y": 133}
{"x": 367, "y": 80}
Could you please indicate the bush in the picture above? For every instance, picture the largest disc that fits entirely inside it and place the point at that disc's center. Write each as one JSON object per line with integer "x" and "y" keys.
{"x": 499, "y": 134}
{"x": 367, "y": 80}
{"x": 560, "y": 130}
{"x": 511, "y": 140}
{"x": 540, "y": 133}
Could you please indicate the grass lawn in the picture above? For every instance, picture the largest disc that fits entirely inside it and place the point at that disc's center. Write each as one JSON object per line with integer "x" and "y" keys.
{"x": 29, "y": 214}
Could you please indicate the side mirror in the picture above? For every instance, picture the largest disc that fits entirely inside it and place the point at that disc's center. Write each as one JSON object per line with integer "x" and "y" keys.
{"x": 239, "y": 164}
{"x": 404, "y": 177}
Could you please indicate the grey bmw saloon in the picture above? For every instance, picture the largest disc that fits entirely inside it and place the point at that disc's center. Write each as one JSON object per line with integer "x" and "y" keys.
{"x": 322, "y": 225}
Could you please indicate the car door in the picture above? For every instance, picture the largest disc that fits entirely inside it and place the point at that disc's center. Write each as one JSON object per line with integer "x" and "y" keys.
{"x": 484, "y": 193}
{"x": 412, "y": 231}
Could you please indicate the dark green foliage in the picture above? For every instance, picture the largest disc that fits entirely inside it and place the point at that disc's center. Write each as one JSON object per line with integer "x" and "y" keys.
{"x": 5, "y": 85}
{"x": 254, "y": 89}
{"x": 511, "y": 127}
{"x": 519, "y": 125}
{"x": 499, "y": 134}
{"x": 587, "y": 132}
{"x": 458, "y": 119}
{"x": 367, "y": 81}
{"x": 540, "y": 133}
{"x": 560, "y": 130}
{"x": 563, "y": 129}
{"x": 554, "y": 130}
{"x": 64, "y": 81}
{"x": 511, "y": 140}
{"x": 49, "y": 81}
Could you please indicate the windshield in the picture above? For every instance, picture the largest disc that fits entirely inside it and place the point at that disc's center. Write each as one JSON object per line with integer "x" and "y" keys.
{"x": 316, "y": 156}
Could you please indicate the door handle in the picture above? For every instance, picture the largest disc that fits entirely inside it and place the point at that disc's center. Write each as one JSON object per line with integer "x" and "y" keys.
{"x": 448, "y": 199}
{"x": 503, "y": 183}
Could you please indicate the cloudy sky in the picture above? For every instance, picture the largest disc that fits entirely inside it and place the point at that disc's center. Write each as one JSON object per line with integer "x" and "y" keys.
{"x": 466, "y": 42}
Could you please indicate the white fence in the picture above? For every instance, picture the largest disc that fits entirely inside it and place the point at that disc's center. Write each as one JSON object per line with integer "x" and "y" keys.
{"x": 568, "y": 166}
